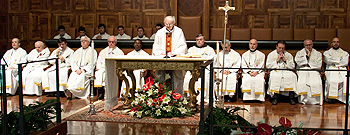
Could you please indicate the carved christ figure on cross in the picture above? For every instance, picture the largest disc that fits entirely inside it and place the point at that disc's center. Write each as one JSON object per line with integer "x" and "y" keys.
{"x": 226, "y": 8}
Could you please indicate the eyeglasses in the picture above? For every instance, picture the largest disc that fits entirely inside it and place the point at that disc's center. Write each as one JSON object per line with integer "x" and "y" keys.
{"x": 111, "y": 42}
{"x": 168, "y": 24}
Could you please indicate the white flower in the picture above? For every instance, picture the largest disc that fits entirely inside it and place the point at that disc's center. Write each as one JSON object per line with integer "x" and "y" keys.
{"x": 137, "y": 95}
{"x": 150, "y": 92}
{"x": 185, "y": 102}
{"x": 147, "y": 112}
{"x": 143, "y": 97}
{"x": 182, "y": 110}
{"x": 155, "y": 91}
{"x": 139, "y": 114}
{"x": 134, "y": 102}
{"x": 137, "y": 99}
{"x": 158, "y": 112}
{"x": 131, "y": 114}
{"x": 168, "y": 108}
{"x": 166, "y": 100}
{"x": 156, "y": 84}
{"x": 150, "y": 101}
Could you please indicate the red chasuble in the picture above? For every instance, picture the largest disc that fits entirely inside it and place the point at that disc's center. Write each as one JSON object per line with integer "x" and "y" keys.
{"x": 168, "y": 42}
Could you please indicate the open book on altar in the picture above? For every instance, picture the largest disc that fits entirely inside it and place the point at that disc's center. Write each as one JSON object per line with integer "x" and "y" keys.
{"x": 161, "y": 57}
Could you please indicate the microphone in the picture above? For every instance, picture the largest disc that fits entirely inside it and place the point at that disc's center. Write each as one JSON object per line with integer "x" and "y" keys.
{"x": 60, "y": 51}
{"x": 166, "y": 54}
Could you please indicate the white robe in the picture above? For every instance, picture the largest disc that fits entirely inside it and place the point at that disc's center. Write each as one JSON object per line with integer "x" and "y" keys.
{"x": 104, "y": 36}
{"x": 335, "y": 86}
{"x": 137, "y": 73}
{"x": 12, "y": 57}
{"x": 49, "y": 76}
{"x": 142, "y": 38}
{"x": 153, "y": 36}
{"x": 253, "y": 88}
{"x": 204, "y": 52}
{"x": 66, "y": 36}
{"x": 281, "y": 81}
{"x": 79, "y": 85}
{"x": 309, "y": 86}
{"x": 100, "y": 74}
{"x": 232, "y": 60}
{"x": 124, "y": 36}
{"x": 32, "y": 73}
{"x": 178, "y": 47}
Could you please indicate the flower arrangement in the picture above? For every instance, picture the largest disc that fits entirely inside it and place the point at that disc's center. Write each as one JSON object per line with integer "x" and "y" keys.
{"x": 284, "y": 129}
{"x": 230, "y": 116}
{"x": 157, "y": 100}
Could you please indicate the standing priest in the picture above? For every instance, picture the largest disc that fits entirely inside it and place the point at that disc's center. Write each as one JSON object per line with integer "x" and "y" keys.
{"x": 82, "y": 63}
{"x": 170, "y": 41}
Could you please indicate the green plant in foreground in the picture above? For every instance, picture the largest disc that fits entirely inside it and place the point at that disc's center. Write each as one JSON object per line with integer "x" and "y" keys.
{"x": 37, "y": 120}
{"x": 226, "y": 117}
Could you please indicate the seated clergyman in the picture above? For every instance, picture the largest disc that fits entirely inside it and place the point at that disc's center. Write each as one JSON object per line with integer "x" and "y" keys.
{"x": 281, "y": 82}
{"x": 64, "y": 55}
{"x": 32, "y": 73}
{"x": 82, "y": 63}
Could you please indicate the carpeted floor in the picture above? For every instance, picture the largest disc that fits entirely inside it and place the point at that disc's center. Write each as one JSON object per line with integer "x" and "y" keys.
{"x": 118, "y": 116}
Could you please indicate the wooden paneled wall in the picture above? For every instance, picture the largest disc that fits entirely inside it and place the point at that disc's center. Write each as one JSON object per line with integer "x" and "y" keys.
{"x": 32, "y": 20}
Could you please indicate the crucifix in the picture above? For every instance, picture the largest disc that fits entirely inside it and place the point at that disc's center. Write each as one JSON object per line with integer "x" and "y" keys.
{"x": 226, "y": 8}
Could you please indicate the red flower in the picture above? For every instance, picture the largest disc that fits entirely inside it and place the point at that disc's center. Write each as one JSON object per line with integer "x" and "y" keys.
{"x": 264, "y": 129}
{"x": 313, "y": 132}
{"x": 133, "y": 109}
{"x": 149, "y": 83}
{"x": 150, "y": 80}
{"x": 145, "y": 87}
{"x": 161, "y": 86}
{"x": 161, "y": 98}
{"x": 285, "y": 122}
{"x": 176, "y": 95}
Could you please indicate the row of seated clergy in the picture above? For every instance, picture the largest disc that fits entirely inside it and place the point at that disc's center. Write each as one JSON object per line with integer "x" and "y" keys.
{"x": 103, "y": 34}
{"x": 284, "y": 82}
{"x": 41, "y": 53}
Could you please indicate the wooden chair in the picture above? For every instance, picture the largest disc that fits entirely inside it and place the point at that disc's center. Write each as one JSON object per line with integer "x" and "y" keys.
{"x": 71, "y": 31}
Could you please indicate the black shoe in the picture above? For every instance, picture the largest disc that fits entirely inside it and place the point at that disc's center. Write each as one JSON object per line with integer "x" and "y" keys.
{"x": 69, "y": 98}
{"x": 52, "y": 94}
{"x": 292, "y": 102}
{"x": 274, "y": 101}
{"x": 101, "y": 94}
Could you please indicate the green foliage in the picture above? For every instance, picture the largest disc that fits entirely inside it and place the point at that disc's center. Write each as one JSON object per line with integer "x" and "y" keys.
{"x": 37, "y": 120}
{"x": 226, "y": 117}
